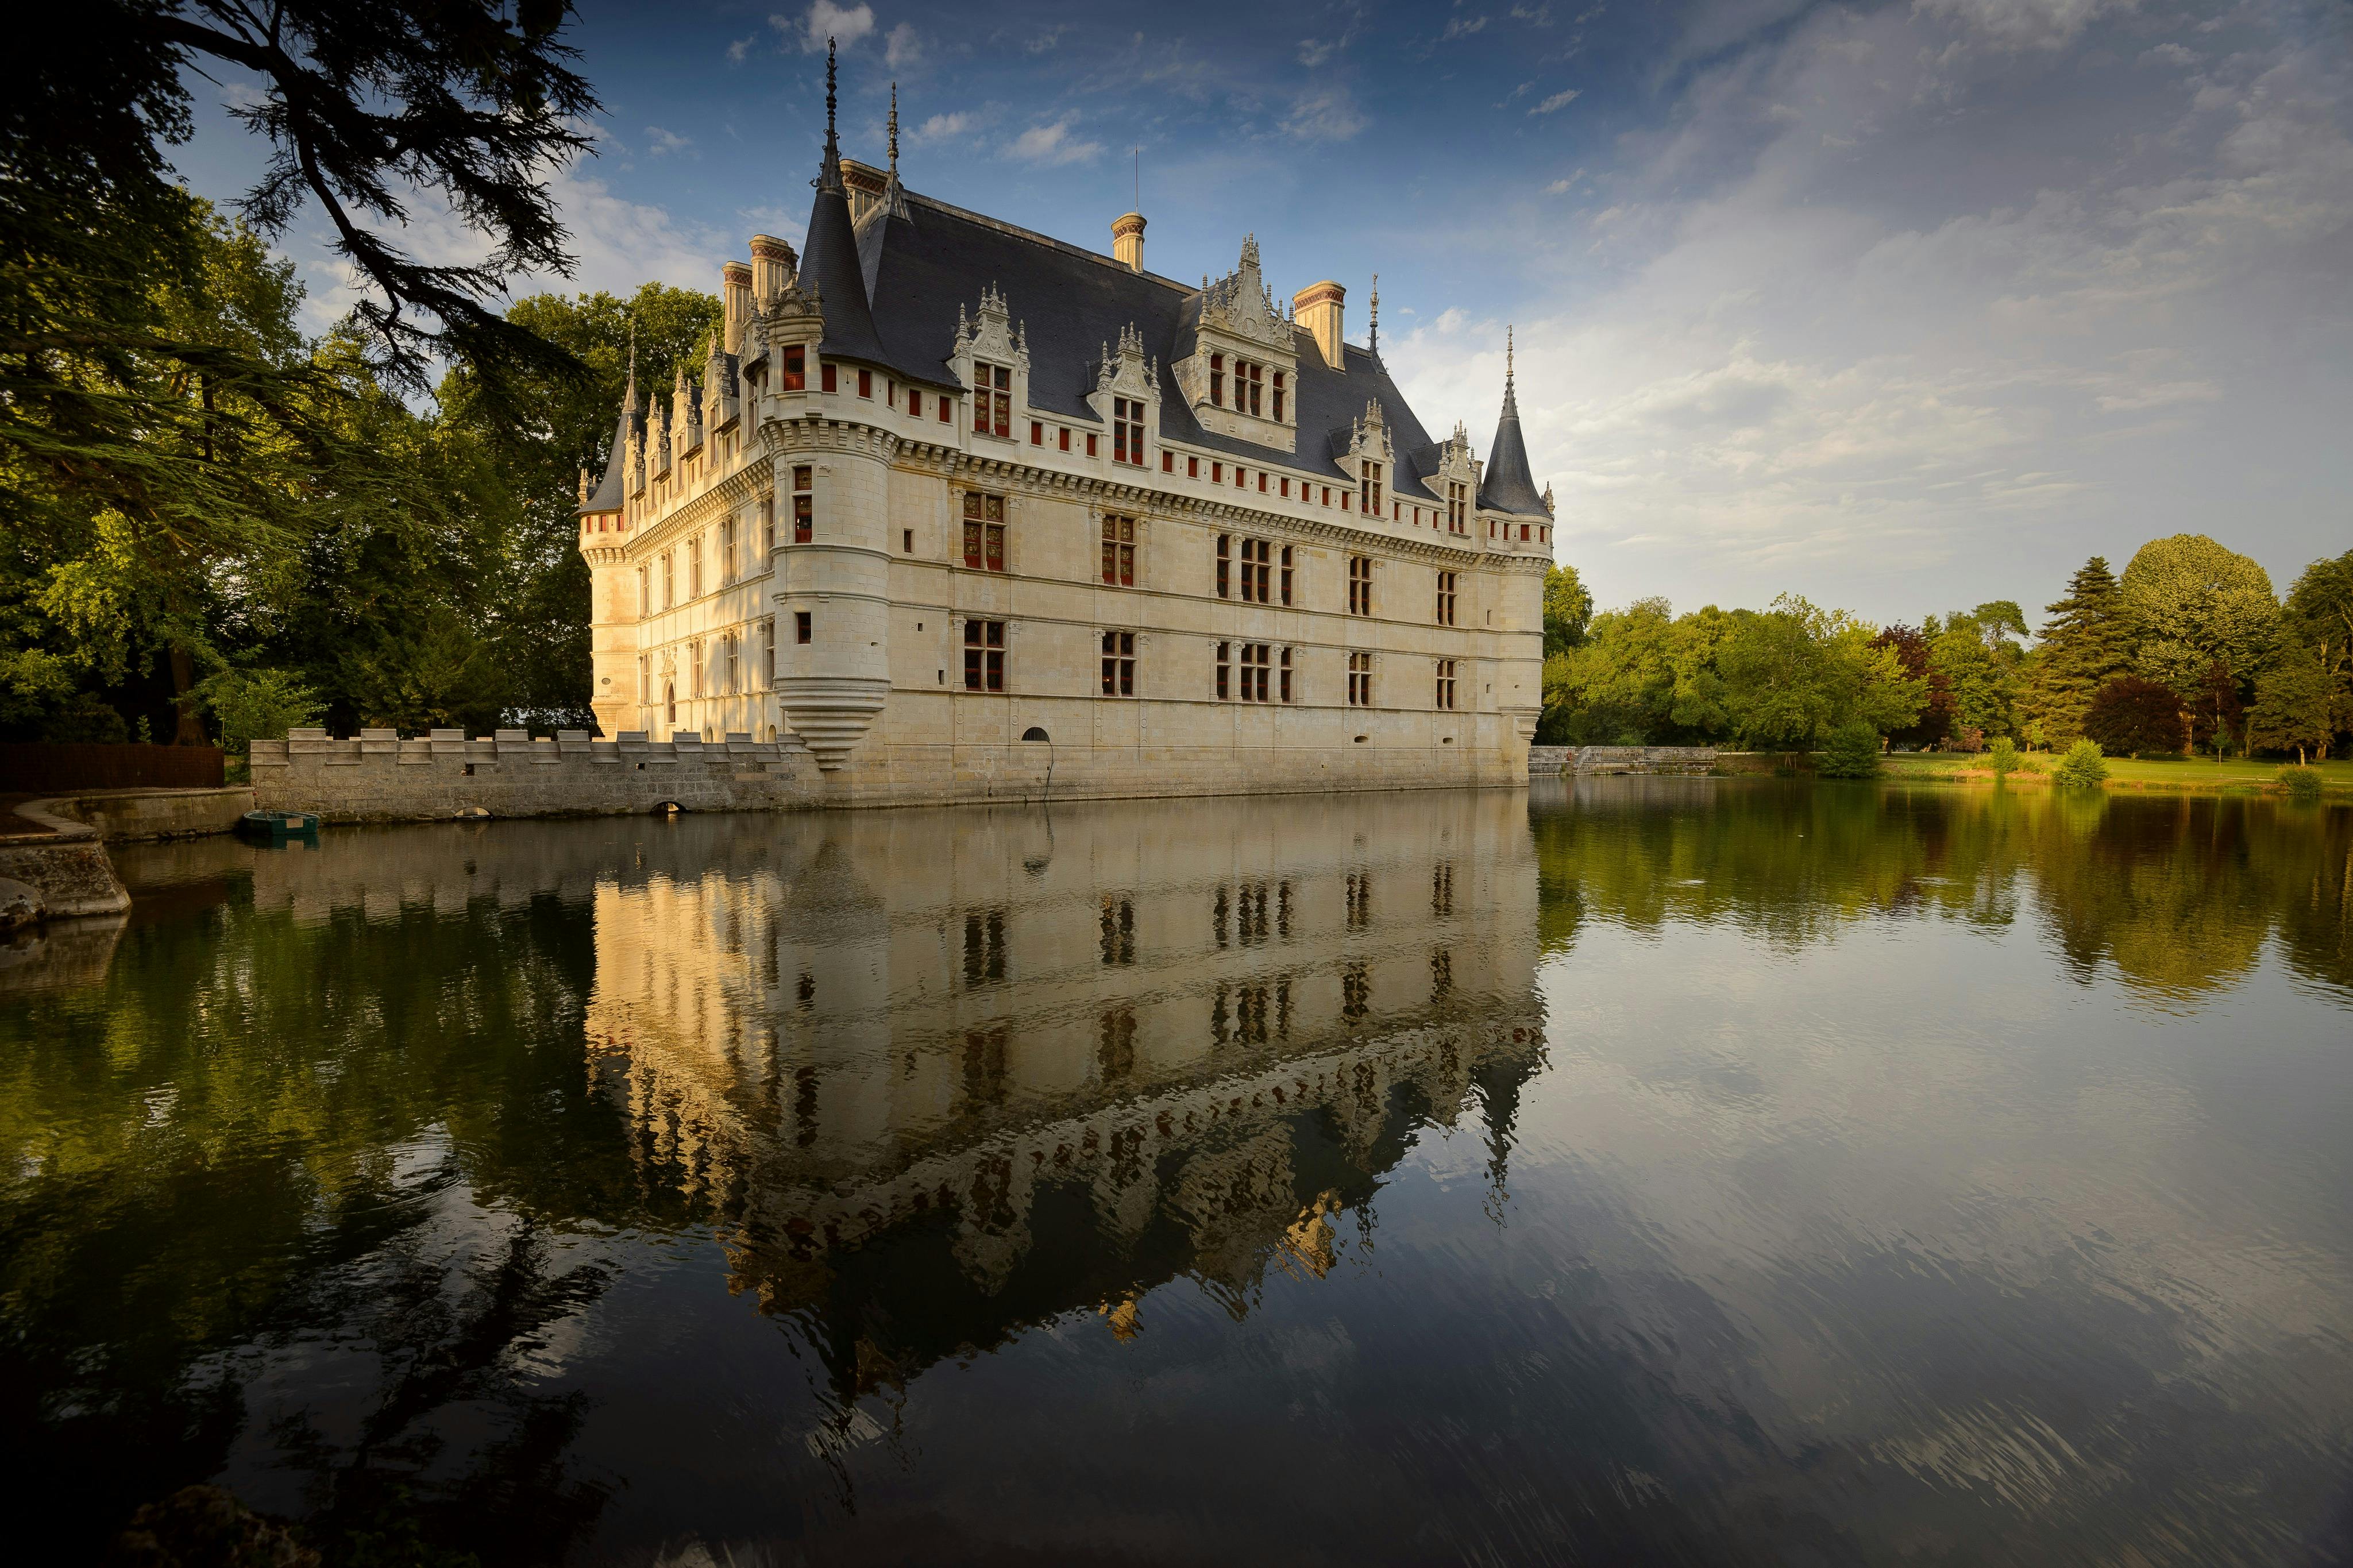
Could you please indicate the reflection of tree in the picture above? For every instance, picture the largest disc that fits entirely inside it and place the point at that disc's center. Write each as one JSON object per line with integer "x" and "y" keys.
{"x": 2178, "y": 894}
{"x": 254, "y": 1101}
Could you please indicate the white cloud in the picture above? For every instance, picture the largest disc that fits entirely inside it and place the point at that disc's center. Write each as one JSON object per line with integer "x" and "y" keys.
{"x": 1557, "y": 101}
{"x": 1463, "y": 27}
{"x": 843, "y": 24}
{"x": 659, "y": 140}
{"x": 1313, "y": 52}
{"x": 740, "y": 49}
{"x": 1558, "y": 188}
{"x": 942, "y": 127}
{"x": 1327, "y": 115}
{"x": 900, "y": 47}
{"x": 1052, "y": 143}
{"x": 1045, "y": 40}
{"x": 2024, "y": 23}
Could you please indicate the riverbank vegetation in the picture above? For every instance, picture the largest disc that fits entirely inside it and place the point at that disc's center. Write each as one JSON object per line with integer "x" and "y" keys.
{"x": 2189, "y": 654}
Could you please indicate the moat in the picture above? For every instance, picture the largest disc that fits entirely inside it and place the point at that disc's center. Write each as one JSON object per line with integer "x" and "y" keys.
{"x": 1640, "y": 1170}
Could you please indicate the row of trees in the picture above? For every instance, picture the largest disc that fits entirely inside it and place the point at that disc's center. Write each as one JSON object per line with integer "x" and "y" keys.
{"x": 2189, "y": 649}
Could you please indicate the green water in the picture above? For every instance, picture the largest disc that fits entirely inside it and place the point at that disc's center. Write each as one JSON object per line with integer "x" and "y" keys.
{"x": 1730, "y": 1171}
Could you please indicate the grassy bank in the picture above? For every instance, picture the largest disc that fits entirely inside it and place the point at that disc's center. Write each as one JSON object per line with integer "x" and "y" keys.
{"x": 2172, "y": 777}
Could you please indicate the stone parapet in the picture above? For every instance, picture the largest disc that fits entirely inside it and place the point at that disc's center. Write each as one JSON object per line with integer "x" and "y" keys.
{"x": 1643, "y": 759}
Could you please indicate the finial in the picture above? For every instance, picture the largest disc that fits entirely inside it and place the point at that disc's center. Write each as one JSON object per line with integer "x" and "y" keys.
{"x": 829, "y": 174}
{"x": 894, "y": 130}
{"x": 1507, "y": 357}
{"x": 1374, "y": 342}
{"x": 630, "y": 395}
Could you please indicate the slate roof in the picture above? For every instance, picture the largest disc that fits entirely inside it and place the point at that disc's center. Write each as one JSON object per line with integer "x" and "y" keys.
{"x": 920, "y": 266}
{"x": 1507, "y": 485}
{"x": 608, "y": 495}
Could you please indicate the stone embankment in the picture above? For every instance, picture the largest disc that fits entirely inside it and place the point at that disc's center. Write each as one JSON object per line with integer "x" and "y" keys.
{"x": 1546, "y": 760}
{"x": 379, "y": 777}
{"x": 55, "y": 868}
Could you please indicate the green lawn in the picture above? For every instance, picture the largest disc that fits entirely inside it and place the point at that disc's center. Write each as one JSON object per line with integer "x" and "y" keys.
{"x": 2237, "y": 776}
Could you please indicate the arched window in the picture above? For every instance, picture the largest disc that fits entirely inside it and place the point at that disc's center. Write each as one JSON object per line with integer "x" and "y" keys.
{"x": 670, "y": 700}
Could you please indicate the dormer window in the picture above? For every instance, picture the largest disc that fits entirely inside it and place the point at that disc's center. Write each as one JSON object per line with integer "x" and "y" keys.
{"x": 1218, "y": 380}
{"x": 992, "y": 399}
{"x": 1126, "y": 431}
{"x": 1372, "y": 489}
{"x": 794, "y": 376}
{"x": 1278, "y": 397}
{"x": 1249, "y": 384}
{"x": 1458, "y": 508}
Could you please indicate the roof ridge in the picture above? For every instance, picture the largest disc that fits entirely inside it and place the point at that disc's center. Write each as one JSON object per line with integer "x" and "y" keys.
{"x": 1065, "y": 246}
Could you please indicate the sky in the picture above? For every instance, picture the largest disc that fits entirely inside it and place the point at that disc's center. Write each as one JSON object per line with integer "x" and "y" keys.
{"x": 1903, "y": 307}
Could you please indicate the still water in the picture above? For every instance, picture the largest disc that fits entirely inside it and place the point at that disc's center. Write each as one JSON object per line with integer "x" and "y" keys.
{"x": 1645, "y": 1171}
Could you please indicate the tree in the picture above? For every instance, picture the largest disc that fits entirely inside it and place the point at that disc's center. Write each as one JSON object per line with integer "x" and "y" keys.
{"x": 1979, "y": 664}
{"x": 1936, "y": 720}
{"x": 2297, "y": 705}
{"x": 2132, "y": 716}
{"x": 1642, "y": 675}
{"x": 2082, "y": 767}
{"x": 2191, "y": 603}
{"x": 2216, "y": 715}
{"x": 2316, "y": 627}
{"x": 1567, "y": 608}
{"x": 1852, "y": 752}
{"x": 2085, "y": 644}
{"x": 1794, "y": 672}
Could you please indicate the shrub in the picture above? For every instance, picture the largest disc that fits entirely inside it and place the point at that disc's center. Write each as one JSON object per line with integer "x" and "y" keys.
{"x": 2131, "y": 717}
{"x": 2301, "y": 783}
{"x": 1851, "y": 752}
{"x": 256, "y": 704}
{"x": 2002, "y": 755}
{"x": 2083, "y": 768}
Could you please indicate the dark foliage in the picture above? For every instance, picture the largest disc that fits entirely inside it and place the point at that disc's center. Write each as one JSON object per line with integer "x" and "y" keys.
{"x": 1935, "y": 721}
{"x": 2132, "y": 716}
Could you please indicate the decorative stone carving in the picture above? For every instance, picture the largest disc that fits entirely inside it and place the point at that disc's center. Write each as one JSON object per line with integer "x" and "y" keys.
{"x": 1240, "y": 322}
{"x": 991, "y": 335}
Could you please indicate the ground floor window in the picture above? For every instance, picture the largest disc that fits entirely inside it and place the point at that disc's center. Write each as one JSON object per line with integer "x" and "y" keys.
{"x": 1360, "y": 680}
{"x": 984, "y": 655}
{"x": 1446, "y": 683}
{"x": 1119, "y": 664}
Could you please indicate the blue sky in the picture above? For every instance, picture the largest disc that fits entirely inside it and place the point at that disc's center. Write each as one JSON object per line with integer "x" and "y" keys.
{"x": 1900, "y": 306}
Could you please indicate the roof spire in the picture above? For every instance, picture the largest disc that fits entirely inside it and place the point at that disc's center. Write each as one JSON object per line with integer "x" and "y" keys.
{"x": 829, "y": 174}
{"x": 629, "y": 394}
{"x": 894, "y": 130}
{"x": 1373, "y": 341}
{"x": 1511, "y": 398}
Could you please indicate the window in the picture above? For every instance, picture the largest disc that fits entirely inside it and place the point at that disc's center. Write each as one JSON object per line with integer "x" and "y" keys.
{"x": 1278, "y": 397}
{"x": 992, "y": 400}
{"x": 1360, "y": 584}
{"x": 769, "y": 647}
{"x": 1261, "y": 482}
{"x": 1446, "y": 598}
{"x": 1250, "y": 381}
{"x": 1347, "y": 498}
{"x": 1371, "y": 488}
{"x": 984, "y": 532}
{"x": 1327, "y": 495}
{"x": 804, "y": 504}
{"x": 1241, "y": 478}
{"x": 669, "y": 581}
{"x": 801, "y": 627}
{"x": 947, "y": 409}
{"x": 1286, "y": 574}
{"x": 767, "y": 523}
{"x": 694, "y": 567}
{"x": 1225, "y": 551}
{"x": 1283, "y": 678}
{"x": 1258, "y": 577}
{"x": 727, "y": 551}
{"x": 1446, "y": 683}
{"x": 695, "y": 669}
{"x": 1066, "y": 437}
{"x": 865, "y": 383}
{"x": 1119, "y": 664}
{"x": 1127, "y": 432}
{"x": 984, "y": 655}
{"x": 643, "y": 691}
{"x": 824, "y": 379}
{"x": 1523, "y": 533}
{"x": 1224, "y": 654}
{"x": 1286, "y": 489}
{"x": 1360, "y": 680}
{"x": 1458, "y": 508}
{"x": 731, "y": 646}
{"x": 793, "y": 377}
{"x": 907, "y": 542}
{"x": 1217, "y": 379}
{"x": 1037, "y": 432}
{"x": 669, "y": 700}
{"x": 644, "y": 605}
{"x": 1255, "y": 661}
{"x": 1192, "y": 467}
{"x": 915, "y": 403}
{"x": 1119, "y": 551}
{"x": 1090, "y": 443}
{"x": 1168, "y": 462}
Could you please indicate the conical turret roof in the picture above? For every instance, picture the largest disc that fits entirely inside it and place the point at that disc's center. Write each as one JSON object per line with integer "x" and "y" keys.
{"x": 829, "y": 257}
{"x": 608, "y": 495}
{"x": 1508, "y": 485}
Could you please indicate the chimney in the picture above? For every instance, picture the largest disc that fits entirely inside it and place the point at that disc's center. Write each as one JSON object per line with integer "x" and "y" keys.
{"x": 772, "y": 266}
{"x": 1317, "y": 308}
{"x": 735, "y": 294}
{"x": 1127, "y": 240}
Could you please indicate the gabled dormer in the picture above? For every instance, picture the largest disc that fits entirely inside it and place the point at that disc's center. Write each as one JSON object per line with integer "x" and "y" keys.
{"x": 1241, "y": 376}
{"x": 1366, "y": 455}
{"x": 991, "y": 356}
{"x": 685, "y": 415}
{"x": 1126, "y": 398}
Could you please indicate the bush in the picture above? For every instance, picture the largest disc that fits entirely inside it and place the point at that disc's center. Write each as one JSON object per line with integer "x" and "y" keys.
{"x": 2132, "y": 716}
{"x": 2002, "y": 755}
{"x": 2300, "y": 782}
{"x": 256, "y": 704}
{"x": 1851, "y": 752}
{"x": 2083, "y": 767}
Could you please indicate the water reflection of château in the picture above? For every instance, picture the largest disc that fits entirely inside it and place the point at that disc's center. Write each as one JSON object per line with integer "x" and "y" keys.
{"x": 944, "y": 1074}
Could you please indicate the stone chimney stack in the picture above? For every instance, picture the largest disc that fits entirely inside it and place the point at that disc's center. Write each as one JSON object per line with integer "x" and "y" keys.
{"x": 735, "y": 295}
{"x": 1127, "y": 240}
{"x": 773, "y": 262}
{"x": 1318, "y": 309}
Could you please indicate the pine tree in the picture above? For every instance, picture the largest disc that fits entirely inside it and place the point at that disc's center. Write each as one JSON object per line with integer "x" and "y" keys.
{"x": 2085, "y": 646}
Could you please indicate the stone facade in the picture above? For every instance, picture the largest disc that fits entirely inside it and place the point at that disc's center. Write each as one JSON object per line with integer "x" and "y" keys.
{"x": 1189, "y": 534}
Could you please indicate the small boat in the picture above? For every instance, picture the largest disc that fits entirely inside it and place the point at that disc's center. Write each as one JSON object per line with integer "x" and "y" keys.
{"x": 278, "y": 826}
